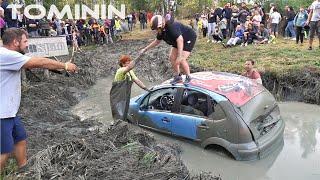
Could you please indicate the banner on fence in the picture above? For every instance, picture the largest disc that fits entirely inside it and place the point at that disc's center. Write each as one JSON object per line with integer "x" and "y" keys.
{"x": 47, "y": 46}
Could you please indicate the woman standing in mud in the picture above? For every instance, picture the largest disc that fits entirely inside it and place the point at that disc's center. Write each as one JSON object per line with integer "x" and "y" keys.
{"x": 121, "y": 88}
{"x": 12, "y": 60}
{"x": 181, "y": 37}
{"x": 125, "y": 71}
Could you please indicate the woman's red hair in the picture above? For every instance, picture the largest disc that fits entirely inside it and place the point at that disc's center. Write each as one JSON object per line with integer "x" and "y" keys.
{"x": 124, "y": 59}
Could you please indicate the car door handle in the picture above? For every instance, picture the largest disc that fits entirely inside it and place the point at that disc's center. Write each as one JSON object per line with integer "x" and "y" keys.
{"x": 165, "y": 120}
{"x": 203, "y": 126}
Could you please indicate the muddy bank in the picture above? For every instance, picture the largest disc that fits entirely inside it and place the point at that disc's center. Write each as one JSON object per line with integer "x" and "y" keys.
{"x": 60, "y": 146}
{"x": 300, "y": 85}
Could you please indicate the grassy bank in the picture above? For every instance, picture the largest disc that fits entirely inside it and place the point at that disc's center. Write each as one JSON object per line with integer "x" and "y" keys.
{"x": 277, "y": 58}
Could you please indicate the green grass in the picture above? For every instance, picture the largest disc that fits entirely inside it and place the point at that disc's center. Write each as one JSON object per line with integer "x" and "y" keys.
{"x": 279, "y": 58}
{"x": 10, "y": 168}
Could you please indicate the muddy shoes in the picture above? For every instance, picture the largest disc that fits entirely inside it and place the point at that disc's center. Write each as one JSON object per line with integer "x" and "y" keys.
{"x": 187, "y": 80}
{"x": 176, "y": 79}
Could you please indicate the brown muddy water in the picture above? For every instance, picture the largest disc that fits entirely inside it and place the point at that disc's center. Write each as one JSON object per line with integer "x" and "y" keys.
{"x": 298, "y": 158}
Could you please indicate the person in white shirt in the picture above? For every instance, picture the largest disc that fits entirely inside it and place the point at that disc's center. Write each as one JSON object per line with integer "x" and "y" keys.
{"x": 314, "y": 22}
{"x": 275, "y": 20}
{"x": 12, "y": 60}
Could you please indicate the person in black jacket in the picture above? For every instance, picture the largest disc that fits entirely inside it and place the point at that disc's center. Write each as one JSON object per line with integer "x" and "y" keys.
{"x": 212, "y": 22}
{"x": 290, "y": 32}
{"x": 227, "y": 13}
{"x": 143, "y": 20}
{"x": 182, "y": 39}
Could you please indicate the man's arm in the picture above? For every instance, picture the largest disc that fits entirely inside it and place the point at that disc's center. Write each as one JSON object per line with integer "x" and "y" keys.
{"x": 151, "y": 45}
{"x": 309, "y": 17}
{"x": 39, "y": 62}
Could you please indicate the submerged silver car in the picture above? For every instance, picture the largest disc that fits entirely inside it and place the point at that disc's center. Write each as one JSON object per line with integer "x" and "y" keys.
{"x": 216, "y": 108}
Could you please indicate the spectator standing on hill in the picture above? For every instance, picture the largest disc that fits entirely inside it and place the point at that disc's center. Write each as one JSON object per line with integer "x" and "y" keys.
{"x": 130, "y": 21}
{"x": 142, "y": 20}
{"x": 223, "y": 27}
{"x": 250, "y": 72}
{"x": 299, "y": 22}
{"x": 256, "y": 7}
{"x": 256, "y": 20}
{"x": 227, "y": 13}
{"x": 212, "y": 22}
{"x": 290, "y": 33}
{"x": 32, "y": 28}
{"x": 200, "y": 26}
{"x": 275, "y": 20}
{"x": 314, "y": 22}
{"x": 234, "y": 20}
{"x": 204, "y": 26}
{"x": 243, "y": 14}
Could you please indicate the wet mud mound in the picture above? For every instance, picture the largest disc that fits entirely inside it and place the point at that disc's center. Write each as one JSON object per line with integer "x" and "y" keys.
{"x": 301, "y": 85}
{"x": 153, "y": 65}
{"x": 122, "y": 152}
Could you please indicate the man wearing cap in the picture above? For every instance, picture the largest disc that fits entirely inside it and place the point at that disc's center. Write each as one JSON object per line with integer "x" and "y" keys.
{"x": 182, "y": 40}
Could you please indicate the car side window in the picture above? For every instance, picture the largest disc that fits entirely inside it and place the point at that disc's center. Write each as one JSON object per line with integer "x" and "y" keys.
{"x": 194, "y": 103}
{"x": 216, "y": 111}
{"x": 162, "y": 99}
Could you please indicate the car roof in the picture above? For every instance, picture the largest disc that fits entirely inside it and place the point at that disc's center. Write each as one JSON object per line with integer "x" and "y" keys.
{"x": 238, "y": 89}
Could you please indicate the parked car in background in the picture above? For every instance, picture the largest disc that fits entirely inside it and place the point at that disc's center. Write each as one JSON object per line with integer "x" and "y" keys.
{"x": 216, "y": 108}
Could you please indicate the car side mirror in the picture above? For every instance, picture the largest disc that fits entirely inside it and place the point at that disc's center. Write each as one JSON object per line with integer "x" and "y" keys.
{"x": 142, "y": 107}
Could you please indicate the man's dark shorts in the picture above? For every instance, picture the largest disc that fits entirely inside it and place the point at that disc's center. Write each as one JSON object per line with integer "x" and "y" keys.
{"x": 12, "y": 132}
{"x": 274, "y": 27}
{"x": 314, "y": 28}
{"x": 189, "y": 43}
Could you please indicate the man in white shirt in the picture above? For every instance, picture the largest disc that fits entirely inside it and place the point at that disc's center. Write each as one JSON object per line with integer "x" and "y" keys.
{"x": 275, "y": 20}
{"x": 12, "y": 60}
{"x": 314, "y": 22}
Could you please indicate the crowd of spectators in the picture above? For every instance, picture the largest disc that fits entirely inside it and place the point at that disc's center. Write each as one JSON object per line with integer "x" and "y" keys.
{"x": 241, "y": 25}
{"x": 77, "y": 32}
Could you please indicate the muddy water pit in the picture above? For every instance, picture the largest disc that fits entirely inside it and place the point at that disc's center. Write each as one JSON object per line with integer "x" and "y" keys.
{"x": 48, "y": 120}
{"x": 297, "y": 159}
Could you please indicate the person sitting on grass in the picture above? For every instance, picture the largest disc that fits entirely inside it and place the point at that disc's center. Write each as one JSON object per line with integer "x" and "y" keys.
{"x": 250, "y": 72}
{"x": 263, "y": 35}
{"x": 217, "y": 35}
{"x": 237, "y": 39}
{"x": 249, "y": 35}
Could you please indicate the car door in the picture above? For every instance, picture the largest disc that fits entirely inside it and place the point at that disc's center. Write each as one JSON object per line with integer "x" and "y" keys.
{"x": 155, "y": 109}
{"x": 216, "y": 124}
{"x": 191, "y": 112}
